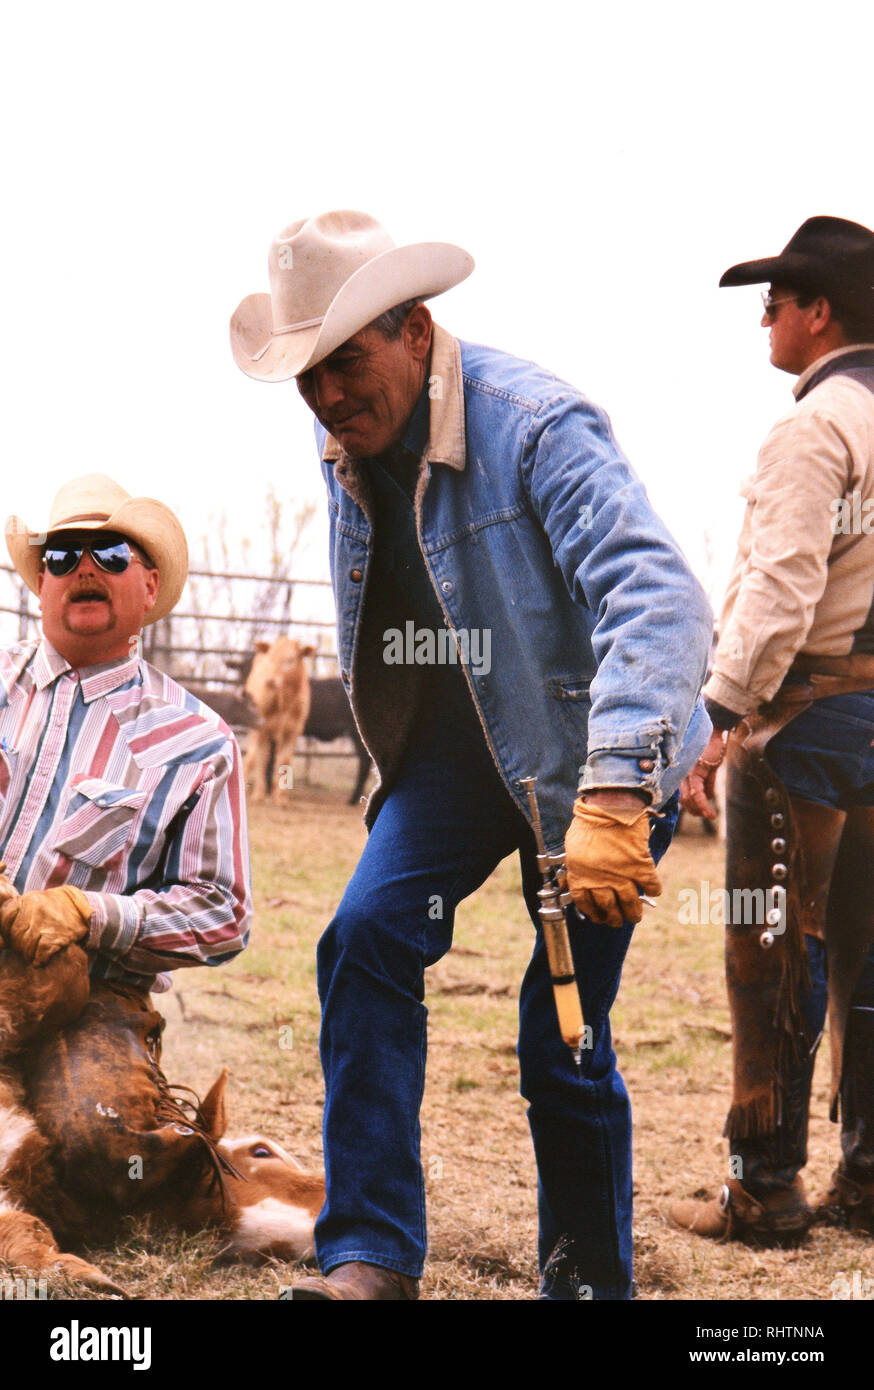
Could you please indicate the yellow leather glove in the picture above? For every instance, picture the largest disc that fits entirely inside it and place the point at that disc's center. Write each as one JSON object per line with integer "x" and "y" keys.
{"x": 7, "y": 887}
{"x": 607, "y": 854}
{"x": 39, "y": 923}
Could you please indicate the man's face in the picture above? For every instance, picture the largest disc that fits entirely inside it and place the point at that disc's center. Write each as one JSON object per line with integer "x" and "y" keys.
{"x": 366, "y": 390}
{"x": 89, "y": 615}
{"x": 790, "y": 338}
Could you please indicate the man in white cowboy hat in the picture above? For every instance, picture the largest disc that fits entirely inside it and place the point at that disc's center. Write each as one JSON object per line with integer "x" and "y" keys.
{"x": 122, "y": 821}
{"x": 508, "y": 605}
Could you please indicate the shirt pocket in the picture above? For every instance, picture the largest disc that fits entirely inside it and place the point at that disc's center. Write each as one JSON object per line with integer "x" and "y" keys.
{"x": 574, "y": 689}
{"x": 573, "y": 706}
{"x": 98, "y": 822}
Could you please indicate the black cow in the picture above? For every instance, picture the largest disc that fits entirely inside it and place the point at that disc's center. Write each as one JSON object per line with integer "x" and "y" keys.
{"x": 233, "y": 707}
{"x": 330, "y": 717}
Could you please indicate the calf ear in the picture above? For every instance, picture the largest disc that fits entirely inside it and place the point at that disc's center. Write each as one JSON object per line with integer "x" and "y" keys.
{"x": 213, "y": 1112}
{"x": 262, "y": 646}
{"x": 308, "y": 651}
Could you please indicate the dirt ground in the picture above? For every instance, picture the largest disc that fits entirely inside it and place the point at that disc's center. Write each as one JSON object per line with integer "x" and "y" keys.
{"x": 672, "y": 1037}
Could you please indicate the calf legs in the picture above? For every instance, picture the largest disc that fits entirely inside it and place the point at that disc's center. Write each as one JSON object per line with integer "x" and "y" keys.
{"x": 27, "y": 1243}
{"x": 255, "y": 763}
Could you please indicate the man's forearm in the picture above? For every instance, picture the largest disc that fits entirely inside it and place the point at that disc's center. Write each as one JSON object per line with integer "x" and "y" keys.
{"x": 180, "y": 925}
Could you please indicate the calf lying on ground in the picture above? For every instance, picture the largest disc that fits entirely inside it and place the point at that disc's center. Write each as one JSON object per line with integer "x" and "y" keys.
{"x": 90, "y": 1130}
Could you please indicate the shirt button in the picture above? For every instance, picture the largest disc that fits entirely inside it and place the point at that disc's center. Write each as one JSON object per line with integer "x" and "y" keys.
{"x": 356, "y": 576}
{"x": 646, "y": 764}
{"x": 447, "y": 586}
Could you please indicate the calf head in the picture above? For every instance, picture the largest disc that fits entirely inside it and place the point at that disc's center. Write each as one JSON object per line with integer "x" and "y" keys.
{"x": 264, "y": 1203}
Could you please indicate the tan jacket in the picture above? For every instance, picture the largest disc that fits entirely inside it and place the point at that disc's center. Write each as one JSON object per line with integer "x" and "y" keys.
{"x": 803, "y": 576}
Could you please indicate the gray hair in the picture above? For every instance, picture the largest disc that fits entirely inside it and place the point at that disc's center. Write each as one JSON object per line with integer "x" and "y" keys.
{"x": 391, "y": 323}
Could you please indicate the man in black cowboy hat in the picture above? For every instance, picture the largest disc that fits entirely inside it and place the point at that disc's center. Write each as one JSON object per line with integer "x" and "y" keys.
{"x": 791, "y": 699}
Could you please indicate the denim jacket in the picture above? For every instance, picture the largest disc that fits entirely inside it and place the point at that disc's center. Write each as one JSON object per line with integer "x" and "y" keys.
{"x": 533, "y": 526}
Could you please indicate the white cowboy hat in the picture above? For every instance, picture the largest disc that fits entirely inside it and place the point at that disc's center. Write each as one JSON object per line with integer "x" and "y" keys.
{"x": 95, "y": 503}
{"x": 330, "y": 276}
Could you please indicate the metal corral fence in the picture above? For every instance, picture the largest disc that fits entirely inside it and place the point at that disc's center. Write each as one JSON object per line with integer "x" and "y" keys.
{"x": 215, "y": 625}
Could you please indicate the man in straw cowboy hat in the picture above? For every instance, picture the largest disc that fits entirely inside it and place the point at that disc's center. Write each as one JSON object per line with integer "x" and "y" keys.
{"x": 473, "y": 493}
{"x": 122, "y": 820}
{"x": 792, "y": 691}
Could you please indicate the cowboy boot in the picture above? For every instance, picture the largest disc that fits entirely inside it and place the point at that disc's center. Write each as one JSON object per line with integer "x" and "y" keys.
{"x": 849, "y": 1201}
{"x": 848, "y": 1204}
{"x": 781, "y": 1218}
{"x": 357, "y": 1281}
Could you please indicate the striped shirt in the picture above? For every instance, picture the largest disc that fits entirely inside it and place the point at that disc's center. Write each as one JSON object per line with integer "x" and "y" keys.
{"x": 116, "y": 780}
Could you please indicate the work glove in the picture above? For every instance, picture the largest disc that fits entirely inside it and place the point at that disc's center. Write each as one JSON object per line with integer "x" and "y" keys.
{"x": 43, "y": 921}
{"x": 607, "y": 856}
{"x": 7, "y": 887}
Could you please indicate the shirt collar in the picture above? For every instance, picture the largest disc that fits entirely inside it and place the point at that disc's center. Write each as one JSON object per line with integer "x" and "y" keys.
{"x": 439, "y": 434}
{"x": 48, "y": 665}
{"x": 415, "y": 437}
{"x": 798, "y": 388}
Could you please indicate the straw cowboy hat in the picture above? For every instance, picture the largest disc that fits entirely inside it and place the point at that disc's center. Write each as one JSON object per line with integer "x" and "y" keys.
{"x": 95, "y": 503}
{"x": 330, "y": 276}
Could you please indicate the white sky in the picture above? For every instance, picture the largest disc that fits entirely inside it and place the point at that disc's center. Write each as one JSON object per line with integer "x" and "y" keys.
{"x": 603, "y": 164}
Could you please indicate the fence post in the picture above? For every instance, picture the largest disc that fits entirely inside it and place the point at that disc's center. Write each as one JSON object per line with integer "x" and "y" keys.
{"x": 286, "y": 606}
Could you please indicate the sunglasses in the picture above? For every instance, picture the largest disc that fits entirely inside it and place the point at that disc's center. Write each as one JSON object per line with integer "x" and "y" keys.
{"x": 771, "y": 305}
{"x": 111, "y": 555}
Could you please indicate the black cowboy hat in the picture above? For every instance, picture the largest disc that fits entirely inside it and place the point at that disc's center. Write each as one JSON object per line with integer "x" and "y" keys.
{"x": 825, "y": 252}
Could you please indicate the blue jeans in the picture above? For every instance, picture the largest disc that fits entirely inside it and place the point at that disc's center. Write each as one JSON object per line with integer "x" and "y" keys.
{"x": 444, "y": 827}
{"x": 825, "y": 755}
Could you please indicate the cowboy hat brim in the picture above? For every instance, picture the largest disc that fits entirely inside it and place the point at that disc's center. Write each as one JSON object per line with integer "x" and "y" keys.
{"x": 145, "y": 521}
{"x": 789, "y": 265}
{"x": 405, "y": 272}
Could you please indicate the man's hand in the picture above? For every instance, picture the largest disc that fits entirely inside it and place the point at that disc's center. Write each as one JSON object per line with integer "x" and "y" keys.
{"x": 41, "y": 922}
{"x": 607, "y": 854}
{"x": 701, "y": 782}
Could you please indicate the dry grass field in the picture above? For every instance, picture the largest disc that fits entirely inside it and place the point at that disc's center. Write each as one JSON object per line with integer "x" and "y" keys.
{"x": 672, "y": 1036}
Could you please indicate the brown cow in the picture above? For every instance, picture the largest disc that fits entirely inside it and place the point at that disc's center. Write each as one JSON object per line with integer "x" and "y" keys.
{"x": 279, "y": 687}
{"x": 91, "y": 1130}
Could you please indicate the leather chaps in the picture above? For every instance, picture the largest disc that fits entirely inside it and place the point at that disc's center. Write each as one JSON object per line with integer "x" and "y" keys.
{"x": 795, "y": 869}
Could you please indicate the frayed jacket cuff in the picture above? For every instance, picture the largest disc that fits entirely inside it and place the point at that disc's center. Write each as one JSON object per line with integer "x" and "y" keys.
{"x": 635, "y": 772}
